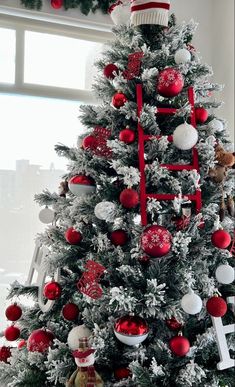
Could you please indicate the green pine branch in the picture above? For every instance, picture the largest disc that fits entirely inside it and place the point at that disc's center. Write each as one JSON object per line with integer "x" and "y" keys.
{"x": 85, "y": 5}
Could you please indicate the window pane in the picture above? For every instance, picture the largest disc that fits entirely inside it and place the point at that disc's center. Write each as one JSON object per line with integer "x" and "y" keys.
{"x": 54, "y": 60}
{"x": 7, "y": 55}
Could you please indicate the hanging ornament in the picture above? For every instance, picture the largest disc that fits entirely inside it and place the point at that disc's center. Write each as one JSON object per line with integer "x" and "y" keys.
{"x": 52, "y": 290}
{"x": 89, "y": 142}
{"x": 173, "y": 324}
{"x": 127, "y": 136}
{"x": 120, "y": 12}
{"x": 5, "y": 354}
{"x": 22, "y": 344}
{"x": 221, "y": 239}
{"x": 13, "y": 312}
{"x": 150, "y": 12}
{"x": 122, "y": 373}
{"x": 70, "y": 312}
{"x": 201, "y": 115}
{"x": 57, "y": 4}
{"x": 131, "y": 330}
{"x": 216, "y": 306}
{"x": 119, "y": 99}
{"x": 46, "y": 215}
{"x": 110, "y": 71}
{"x": 216, "y": 125}
{"x": 12, "y": 333}
{"x": 105, "y": 210}
{"x": 225, "y": 274}
{"x": 77, "y": 333}
{"x": 182, "y": 56}
{"x": 191, "y": 303}
{"x": 40, "y": 340}
{"x": 119, "y": 237}
{"x": 81, "y": 185}
{"x": 156, "y": 241}
{"x": 170, "y": 82}
{"x": 179, "y": 345}
{"x": 129, "y": 198}
{"x": 185, "y": 136}
{"x": 97, "y": 142}
{"x": 231, "y": 206}
{"x": 72, "y": 236}
{"x": 144, "y": 260}
{"x": 89, "y": 282}
{"x": 134, "y": 65}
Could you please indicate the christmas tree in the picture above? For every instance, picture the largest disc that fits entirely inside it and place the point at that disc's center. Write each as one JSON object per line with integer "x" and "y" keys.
{"x": 140, "y": 251}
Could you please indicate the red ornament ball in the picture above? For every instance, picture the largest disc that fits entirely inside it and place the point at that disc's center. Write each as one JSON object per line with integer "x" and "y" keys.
{"x": 89, "y": 142}
{"x": 40, "y": 340}
{"x": 173, "y": 324}
{"x": 129, "y": 198}
{"x": 201, "y": 115}
{"x": 119, "y": 237}
{"x": 119, "y": 99}
{"x": 144, "y": 260}
{"x": 122, "y": 373}
{"x": 72, "y": 236}
{"x": 179, "y": 345}
{"x": 5, "y": 354}
{"x": 221, "y": 239}
{"x": 57, "y": 4}
{"x": 216, "y": 306}
{"x": 22, "y": 344}
{"x": 109, "y": 71}
{"x": 12, "y": 333}
{"x": 13, "y": 312}
{"x": 127, "y": 136}
{"x": 131, "y": 325}
{"x": 70, "y": 312}
{"x": 52, "y": 290}
{"x": 156, "y": 241}
{"x": 170, "y": 82}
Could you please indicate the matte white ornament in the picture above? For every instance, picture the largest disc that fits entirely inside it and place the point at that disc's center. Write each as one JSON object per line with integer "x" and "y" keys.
{"x": 225, "y": 274}
{"x": 182, "y": 56}
{"x": 216, "y": 125}
{"x": 121, "y": 12}
{"x": 46, "y": 215}
{"x": 130, "y": 340}
{"x": 105, "y": 210}
{"x": 76, "y": 334}
{"x": 185, "y": 137}
{"x": 191, "y": 303}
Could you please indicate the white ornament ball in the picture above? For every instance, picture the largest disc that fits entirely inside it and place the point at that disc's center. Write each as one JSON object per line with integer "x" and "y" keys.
{"x": 191, "y": 303}
{"x": 46, "y": 215}
{"x": 216, "y": 125}
{"x": 120, "y": 12}
{"x": 130, "y": 340}
{"x": 182, "y": 56}
{"x": 76, "y": 334}
{"x": 225, "y": 274}
{"x": 185, "y": 137}
{"x": 105, "y": 210}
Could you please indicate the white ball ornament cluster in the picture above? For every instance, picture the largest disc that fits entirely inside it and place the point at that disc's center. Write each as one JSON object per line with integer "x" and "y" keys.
{"x": 105, "y": 210}
{"x": 182, "y": 56}
{"x": 225, "y": 274}
{"x": 185, "y": 136}
{"x": 46, "y": 215}
{"x": 216, "y": 125}
{"x": 191, "y": 303}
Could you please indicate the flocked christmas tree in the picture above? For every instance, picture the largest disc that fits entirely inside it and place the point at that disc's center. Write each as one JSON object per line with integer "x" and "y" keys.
{"x": 140, "y": 251}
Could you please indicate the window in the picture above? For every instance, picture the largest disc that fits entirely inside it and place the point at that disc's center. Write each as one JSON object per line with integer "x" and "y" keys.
{"x": 7, "y": 55}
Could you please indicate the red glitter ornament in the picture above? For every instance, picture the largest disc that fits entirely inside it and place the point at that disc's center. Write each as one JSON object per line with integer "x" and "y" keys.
{"x": 40, "y": 340}
{"x": 201, "y": 115}
{"x": 52, "y": 290}
{"x": 131, "y": 330}
{"x": 179, "y": 345}
{"x": 156, "y": 241}
{"x": 173, "y": 324}
{"x": 5, "y": 354}
{"x": 134, "y": 65}
{"x": 129, "y": 198}
{"x": 109, "y": 71}
{"x": 170, "y": 82}
{"x": 72, "y": 236}
{"x": 119, "y": 237}
{"x": 119, "y": 99}
{"x": 89, "y": 142}
{"x": 57, "y": 4}
{"x": 122, "y": 373}
{"x": 70, "y": 312}
{"x": 13, "y": 312}
{"x": 216, "y": 306}
{"x": 221, "y": 239}
{"x": 22, "y": 344}
{"x": 127, "y": 136}
{"x": 12, "y": 333}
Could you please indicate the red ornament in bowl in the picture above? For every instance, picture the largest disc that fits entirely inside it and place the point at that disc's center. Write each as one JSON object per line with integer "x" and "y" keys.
{"x": 72, "y": 236}
{"x": 216, "y": 306}
{"x": 40, "y": 340}
{"x": 221, "y": 239}
{"x": 12, "y": 333}
{"x": 129, "y": 198}
{"x": 13, "y": 312}
{"x": 170, "y": 82}
{"x": 81, "y": 185}
{"x": 131, "y": 330}
{"x": 179, "y": 345}
{"x": 156, "y": 241}
{"x": 52, "y": 290}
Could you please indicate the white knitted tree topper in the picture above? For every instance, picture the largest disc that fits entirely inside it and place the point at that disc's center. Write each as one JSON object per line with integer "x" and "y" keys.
{"x": 150, "y": 12}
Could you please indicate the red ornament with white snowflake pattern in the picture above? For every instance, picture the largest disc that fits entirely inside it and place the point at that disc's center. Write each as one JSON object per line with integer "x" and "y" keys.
{"x": 170, "y": 82}
{"x": 40, "y": 340}
{"x": 156, "y": 241}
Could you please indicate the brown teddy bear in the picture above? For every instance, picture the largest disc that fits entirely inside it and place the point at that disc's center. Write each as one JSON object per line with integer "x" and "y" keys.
{"x": 225, "y": 160}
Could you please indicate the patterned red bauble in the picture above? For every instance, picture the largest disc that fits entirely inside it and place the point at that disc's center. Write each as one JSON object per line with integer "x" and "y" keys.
{"x": 170, "y": 82}
{"x": 119, "y": 237}
{"x": 221, "y": 239}
{"x": 119, "y": 99}
{"x": 40, "y": 340}
{"x": 173, "y": 324}
{"x": 72, "y": 236}
{"x": 216, "y": 306}
{"x": 81, "y": 185}
{"x": 156, "y": 241}
{"x": 57, "y": 4}
{"x": 127, "y": 136}
{"x": 52, "y": 290}
{"x": 122, "y": 373}
{"x": 70, "y": 312}
{"x": 89, "y": 142}
{"x": 129, "y": 198}
{"x": 12, "y": 333}
{"x": 5, "y": 354}
{"x": 13, "y": 312}
{"x": 109, "y": 71}
{"x": 22, "y": 344}
{"x": 179, "y": 345}
{"x": 201, "y": 115}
